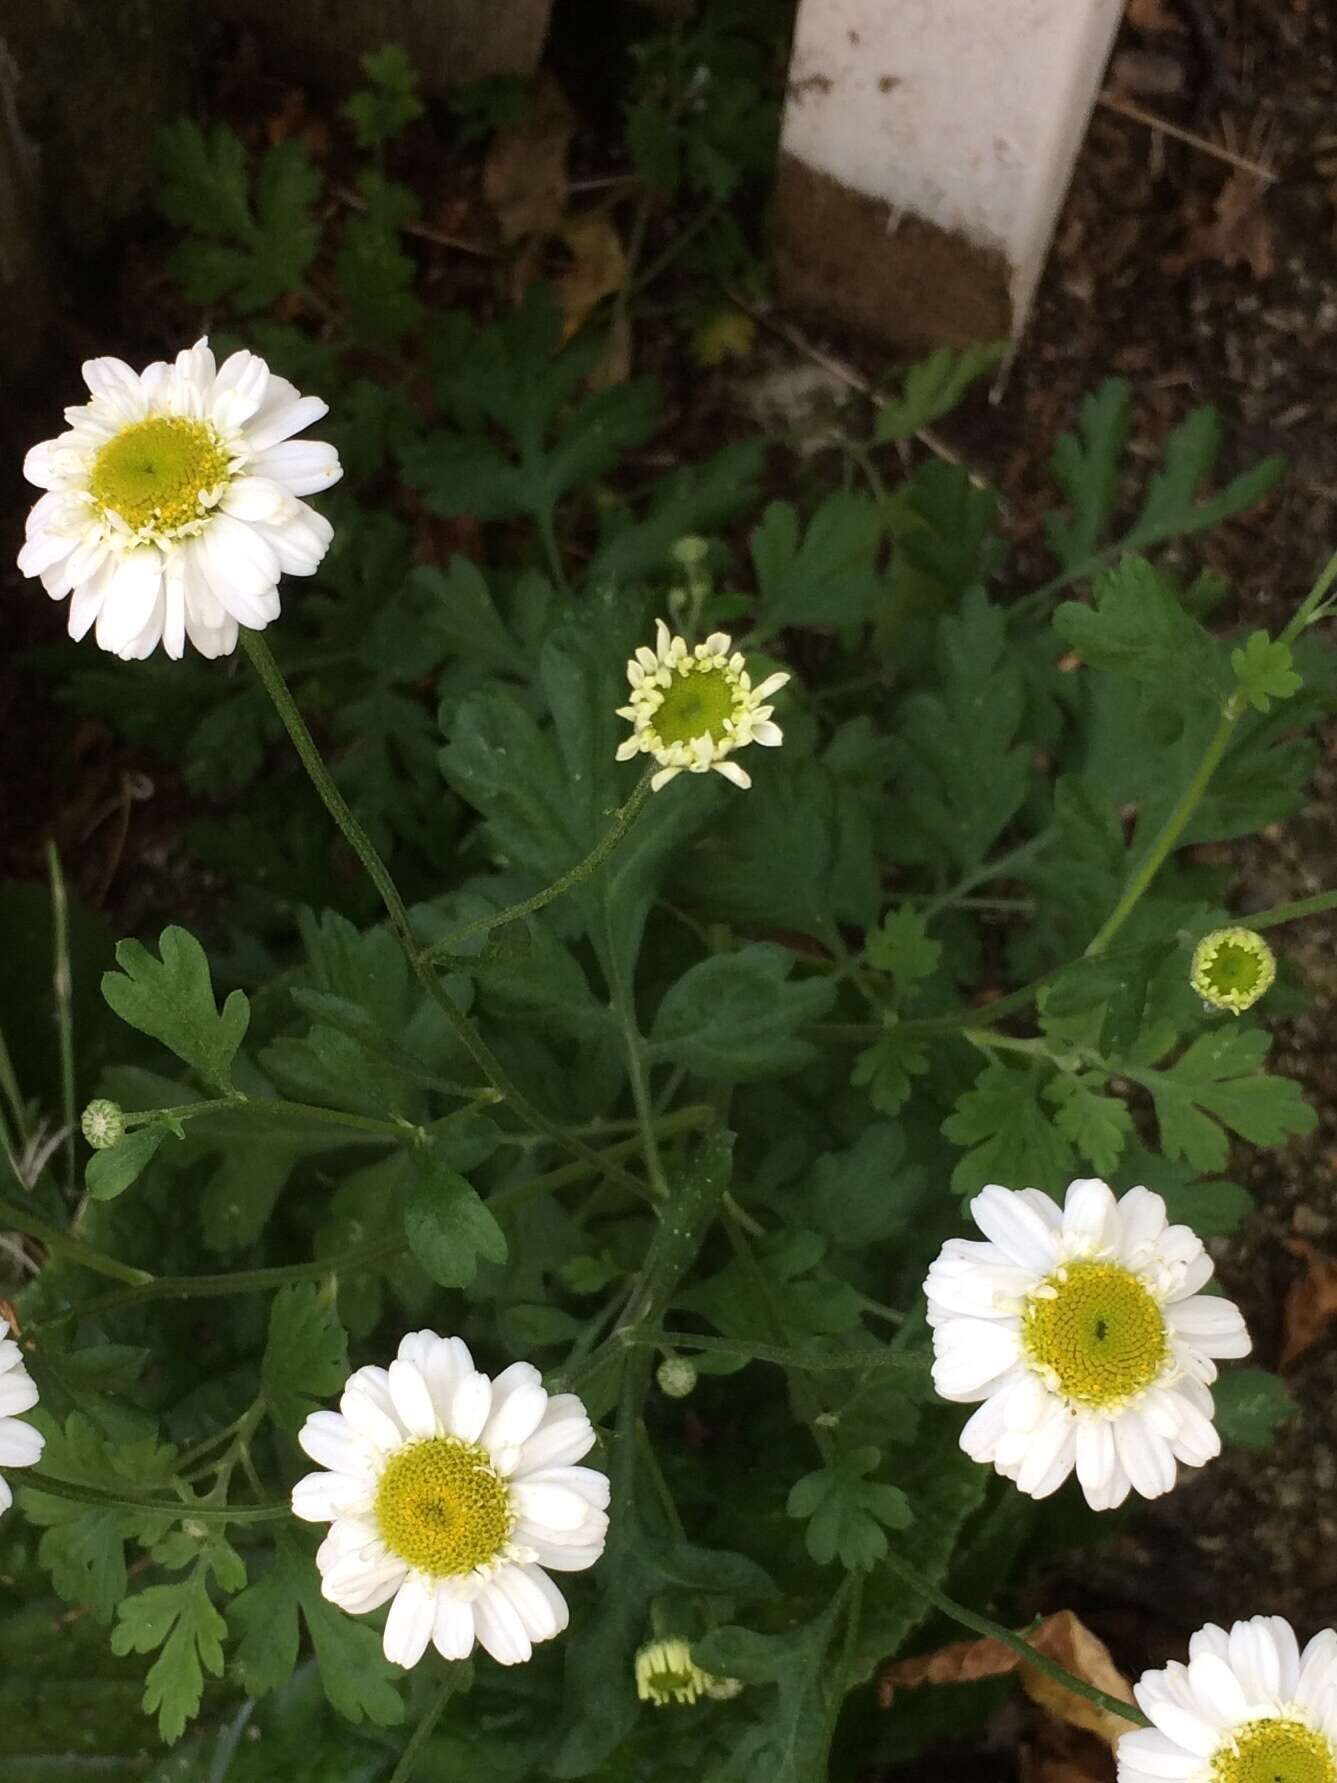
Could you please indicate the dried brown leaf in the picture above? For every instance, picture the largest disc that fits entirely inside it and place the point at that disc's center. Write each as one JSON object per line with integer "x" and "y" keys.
{"x": 1062, "y": 1638}
{"x": 524, "y": 175}
{"x": 1311, "y": 1302}
{"x": 1151, "y": 15}
{"x": 598, "y": 267}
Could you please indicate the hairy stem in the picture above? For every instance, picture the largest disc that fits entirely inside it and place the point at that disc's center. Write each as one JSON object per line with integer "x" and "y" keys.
{"x": 60, "y": 1244}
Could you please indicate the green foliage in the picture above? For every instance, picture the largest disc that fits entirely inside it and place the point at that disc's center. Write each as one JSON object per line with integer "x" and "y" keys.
{"x": 172, "y": 998}
{"x": 711, "y": 1097}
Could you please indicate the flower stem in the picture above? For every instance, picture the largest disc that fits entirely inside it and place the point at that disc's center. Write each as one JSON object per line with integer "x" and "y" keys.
{"x": 1032, "y": 1656}
{"x": 1279, "y": 913}
{"x": 408, "y": 1758}
{"x": 60, "y": 946}
{"x": 74, "y": 1248}
{"x": 114, "y": 1501}
{"x": 623, "y": 819}
{"x": 308, "y": 1111}
{"x": 358, "y": 840}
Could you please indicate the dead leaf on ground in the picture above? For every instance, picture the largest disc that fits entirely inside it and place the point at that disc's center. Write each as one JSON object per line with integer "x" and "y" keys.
{"x": 525, "y": 176}
{"x": 1060, "y": 1637}
{"x": 1311, "y": 1302}
{"x": 1151, "y": 15}
{"x": 598, "y": 267}
{"x": 1240, "y": 233}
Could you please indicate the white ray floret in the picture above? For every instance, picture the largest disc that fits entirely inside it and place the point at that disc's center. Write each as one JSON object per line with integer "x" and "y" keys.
{"x": 452, "y": 1496}
{"x": 1082, "y": 1334}
{"x": 173, "y": 503}
{"x": 693, "y": 707}
{"x": 20, "y": 1444}
{"x": 1249, "y": 1707}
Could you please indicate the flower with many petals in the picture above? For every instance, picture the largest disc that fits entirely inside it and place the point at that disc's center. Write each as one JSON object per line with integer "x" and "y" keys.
{"x": 173, "y": 503}
{"x": 1232, "y": 969}
{"x": 1083, "y": 1331}
{"x": 692, "y": 707}
{"x": 1249, "y": 1707}
{"x": 450, "y": 1493}
{"x": 20, "y": 1444}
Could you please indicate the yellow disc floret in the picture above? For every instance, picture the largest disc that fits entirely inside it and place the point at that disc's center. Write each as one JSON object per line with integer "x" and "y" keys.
{"x": 442, "y": 1506}
{"x": 1276, "y": 1751}
{"x": 160, "y": 477}
{"x": 1096, "y": 1334}
{"x": 700, "y": 701}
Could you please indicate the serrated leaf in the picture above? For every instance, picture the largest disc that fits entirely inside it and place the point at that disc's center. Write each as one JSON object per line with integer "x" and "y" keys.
{"x": 172, "y": 999}
{"x": 1263, "y": 671}
{"x": 901, "y": 946}
{"x": 1086, "y": 468}
{"x": 738, "y": 1016}
{"x": 1098, "y": 1126}
{"x": 1218, "y": 1077}
{"x": 887, "y": 1069}
{"x": 390, "y": 104}
{"x": 934, "y": 386}
{"x": 447, "y": 1225}
{"x": 827, "y": 575}
{"x": 845, "y": 1511}
{"x": 306, "y": 1353}
{"x": 1013, "y": 1139}
{"x": 1250, "y": 1404}
{"x": 182, "y": 1620}
{"x": 1138, "y": 628}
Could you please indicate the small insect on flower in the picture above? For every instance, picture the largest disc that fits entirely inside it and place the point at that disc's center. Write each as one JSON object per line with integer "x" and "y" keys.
{"x": 1249, "y": 1707}
{"x": 692, "y": 707}
{"x": 1232, "y": 969}
{"x": 172, "y": 504}
{"x": 450, "y": 1493}
{"x": 20, "y": 1444}
{"x": 1083, "y": 1331}
{"x": 666, "y": 1673}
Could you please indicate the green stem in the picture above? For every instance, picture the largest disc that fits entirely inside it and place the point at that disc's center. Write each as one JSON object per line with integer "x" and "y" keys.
{"x": 74, "y": 1248}
{"x": 60, "y": 918}
{"x": 239, "y": 1281}
{"x": 683, "y": 1120}
{"x": 1172, "y": 829}
{"x": 1279, "y": 913}
{"x": 814, "y": 1362}
{"x": 408, "y": 1758}
{"x": 1307, "y": 611}
{"x": 307, "y": 1111}
{"x": 1002, "y": 868}
{"x": 995, "y": 1631}
{"x": 158, "y": 1507}
{"x": 468, "y": 1036}
{"x": 623, "y": 819}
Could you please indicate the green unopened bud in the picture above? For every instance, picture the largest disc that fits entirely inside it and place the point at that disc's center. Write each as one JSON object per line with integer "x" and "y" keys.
{"x": 690, "y": 552}
{"x": 676, "y": 1377}
{"x": 103, "y": 1124}
{"x": 1232, "y": 968}
{"x": 723, "y": 1690}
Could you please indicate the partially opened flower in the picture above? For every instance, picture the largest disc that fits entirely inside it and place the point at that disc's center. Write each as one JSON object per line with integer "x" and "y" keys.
{"x": 1232, "y": 969}
{"x": 691, "y": 707}
{"x": 667, "y": 1673}
{"x": 1083, "y": 1331}
{"x": 1249, "y": 1707}
{"x": 450, "y": 1493}
{"x": 173, "y": 505}
{"x": 20, "y": 1444}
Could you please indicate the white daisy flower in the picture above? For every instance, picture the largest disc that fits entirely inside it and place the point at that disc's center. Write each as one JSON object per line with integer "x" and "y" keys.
{"x": 450, "y": 1493}
{"x": 1249, "y": 1707}
{"x": 691, "y": 708}
{"x": 1083, "y": 1332}
{"x": 20, "y": 1444}
{"x": 172, "y": 504}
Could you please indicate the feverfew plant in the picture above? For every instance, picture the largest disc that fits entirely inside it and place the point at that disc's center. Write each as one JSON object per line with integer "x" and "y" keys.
{"x": 572, "y": 1158}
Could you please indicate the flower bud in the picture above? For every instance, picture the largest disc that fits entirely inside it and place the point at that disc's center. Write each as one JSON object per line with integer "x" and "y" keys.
{"x": 103, "y": 1124}
{"x": 676, "y": 1377}
{"x": 1232, "y": 968}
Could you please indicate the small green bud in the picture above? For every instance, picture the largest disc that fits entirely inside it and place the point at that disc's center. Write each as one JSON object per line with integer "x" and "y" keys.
{"x": 690, "y": 552}
{"x": 1232, "y": 968}
{"x": 103, "y": 1124}
{"x": 676, "y": 1377}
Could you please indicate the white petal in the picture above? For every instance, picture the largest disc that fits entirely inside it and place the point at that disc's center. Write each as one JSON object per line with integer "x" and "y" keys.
{"x": 500, "y": 1628}
{"x": 330, "y": 1442}
{"x": 1142, "y": 1219}
{"x": 732, "y": 772}
{"x": 256, "y": 499}
{"x": 408, "y": 1627}
{"x": 304, "y": 467}
{"x": 1317, "y": 1665}
{"x": 239, "y": 389}
{"x": 412, "y": 1401}
{"x": 1050, "y": 1447}
{"x": 1147, "y": 1458}
{"x": 279, "y": 421}
{"x": 321, "y": 1497}
{"x": 1095, "y": 1458}
{"x": 565, "y": 1435}
{"x": 242, "y": 569}
{"x": 1255, "y": 1661}
{"x": 1179, "y": 1725}
{"x": 18, "y": 1393}
{"x": 41, "y": 550}
{"x": 1147, "y": 1753}
{"x": 516, "y": 1414}
{"x": 20, "y": 1444}
{"x": 6, "y": 1496}
{"x": 1017, "y": 1229}
{"x": 979, "y": 1437}
{"x": 551, "y": 1506}
{"x": 970, "y": 1354}
{"x": 470, "y": 1406}
{"x": 453, "y": 1630}
{"x": 130, "y": 597}
{"x": 119, "y": 388}
{"x": 1217, "y": 1689}
{"x": 559, "y": 1557}
{"x": 370, "y": 1420}
{"x": 1088, "y": 1212}
{"x": 1211, "y": 1324}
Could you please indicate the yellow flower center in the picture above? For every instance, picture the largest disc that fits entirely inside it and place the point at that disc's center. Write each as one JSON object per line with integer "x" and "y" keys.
{"x": 1276, "y": 1751}
{"x": 1097, "y": 1332}
{"x": 696, "y": 704}
{"x": 443, "y": 1507}
{"x": 155, "y": 474}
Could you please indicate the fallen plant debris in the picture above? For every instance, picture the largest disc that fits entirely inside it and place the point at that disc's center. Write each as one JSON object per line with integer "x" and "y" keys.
{"x": 1311, "y": 1302}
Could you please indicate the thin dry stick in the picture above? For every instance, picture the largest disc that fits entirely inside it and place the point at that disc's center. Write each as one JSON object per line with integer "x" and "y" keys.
{"x": 1125, "y": 108}
{"x": 848, "y": 376}
{"x": 424, "y": 231}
